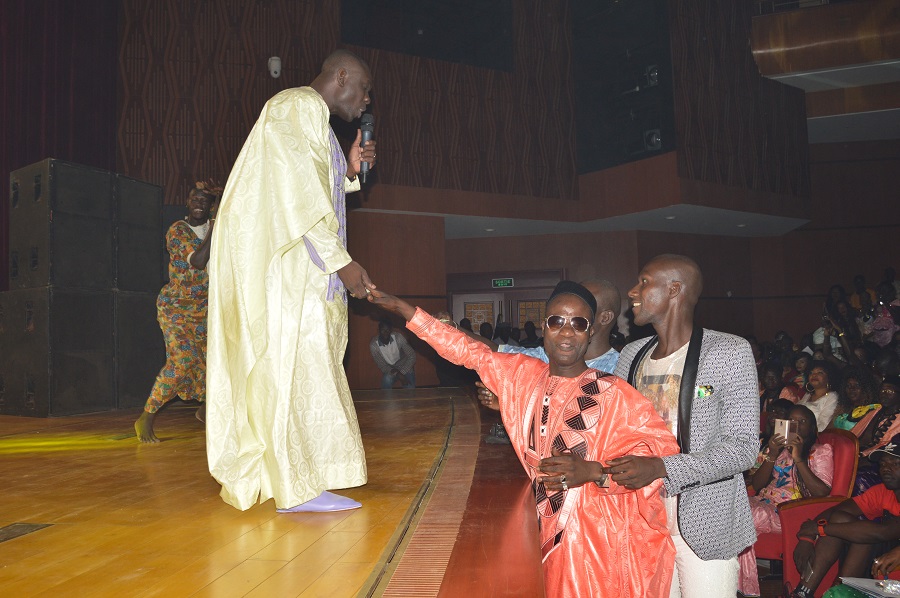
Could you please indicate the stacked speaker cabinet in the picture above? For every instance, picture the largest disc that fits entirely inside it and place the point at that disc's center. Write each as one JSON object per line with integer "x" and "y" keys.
{"x": 623, "y": 82}
{"x": 140, "y": 273}
{"x": 78, "y": 328}
{"x": 61, "y": 226}
{"x": 57, "y": 348}
{"x": 140, "y": 238}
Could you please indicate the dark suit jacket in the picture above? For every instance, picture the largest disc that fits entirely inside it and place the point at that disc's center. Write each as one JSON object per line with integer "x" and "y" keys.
{"x": 719, "y": 439}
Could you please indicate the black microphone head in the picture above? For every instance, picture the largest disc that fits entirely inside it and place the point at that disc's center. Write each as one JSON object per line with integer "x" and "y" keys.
{"x": 367, "y": 122}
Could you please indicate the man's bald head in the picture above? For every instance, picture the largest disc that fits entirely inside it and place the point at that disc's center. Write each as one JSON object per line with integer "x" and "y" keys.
{"x": 343, "y": 59}
{"x": 344, "y": 84}
{"x": 683, "y": 270}
{"x": 608, "y": 299}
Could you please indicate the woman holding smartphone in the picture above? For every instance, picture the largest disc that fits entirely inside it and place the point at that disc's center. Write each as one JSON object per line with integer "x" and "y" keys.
{"x": 794, "y": 466}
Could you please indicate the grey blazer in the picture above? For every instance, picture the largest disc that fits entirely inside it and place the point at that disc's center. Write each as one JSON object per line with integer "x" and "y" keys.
{"x": 719, "y": 439}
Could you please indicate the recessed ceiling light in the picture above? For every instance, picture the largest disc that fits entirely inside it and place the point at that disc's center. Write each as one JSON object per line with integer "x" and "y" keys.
{"x": 670, "y": 217}
{"x": 488, "y": 230}
{"x": 741, "y": 225}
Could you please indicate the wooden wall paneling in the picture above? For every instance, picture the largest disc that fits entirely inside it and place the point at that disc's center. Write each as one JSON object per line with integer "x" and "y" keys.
{"x": 640, "y": 186}
{"x": 425, "y": 200}
{"x": 853, "y": 184}
{"x": 194, "y": 79}
{"x": 733, "y": 127}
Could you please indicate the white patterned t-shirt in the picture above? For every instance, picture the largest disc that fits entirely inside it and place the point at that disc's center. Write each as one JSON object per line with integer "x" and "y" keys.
{"x": 660, "y": 381}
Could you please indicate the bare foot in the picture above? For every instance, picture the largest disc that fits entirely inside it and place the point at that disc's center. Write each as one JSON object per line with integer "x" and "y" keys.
{"x": 143, "y": 427}
{"x": 201, "y": 412}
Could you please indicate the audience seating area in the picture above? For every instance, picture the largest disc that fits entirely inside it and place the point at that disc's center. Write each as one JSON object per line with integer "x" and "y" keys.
{"x": 847, "y": 358}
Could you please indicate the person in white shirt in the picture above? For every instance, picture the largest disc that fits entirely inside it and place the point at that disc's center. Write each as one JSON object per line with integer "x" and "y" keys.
{"x": 394, "y": 357}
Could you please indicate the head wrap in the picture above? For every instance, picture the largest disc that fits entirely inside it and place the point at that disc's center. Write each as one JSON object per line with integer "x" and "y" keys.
{"x": 568, "y": 287}
{"x": 892, "y": 448}
{"x": 210, "y": 188}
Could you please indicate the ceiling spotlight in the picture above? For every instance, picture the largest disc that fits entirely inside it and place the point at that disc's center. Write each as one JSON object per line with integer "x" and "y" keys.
{"x": 670, "y": 217}
{"x": 488, "y": 230}
{"x": 741, "y": 225}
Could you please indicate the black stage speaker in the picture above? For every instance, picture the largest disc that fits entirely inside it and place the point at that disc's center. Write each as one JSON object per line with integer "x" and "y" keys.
{"x": 140, "y": 349}
{"x": 78, "y": 330}
{"x": 57, "y": 351}
{"x": 140, "y": 237}
{"x": 624, "y": 102}
{"x": 60, "y": 226}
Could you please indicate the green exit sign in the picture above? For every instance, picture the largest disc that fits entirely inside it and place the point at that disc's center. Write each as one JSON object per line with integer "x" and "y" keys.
{"x": 502, "y": 283}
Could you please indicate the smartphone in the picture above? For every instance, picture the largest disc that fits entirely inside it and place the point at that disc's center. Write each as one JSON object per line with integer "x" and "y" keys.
{"x": 786, "y": 428}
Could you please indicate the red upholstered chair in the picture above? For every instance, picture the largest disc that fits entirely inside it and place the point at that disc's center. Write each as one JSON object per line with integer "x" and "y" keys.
{"x": 793, "y": 513}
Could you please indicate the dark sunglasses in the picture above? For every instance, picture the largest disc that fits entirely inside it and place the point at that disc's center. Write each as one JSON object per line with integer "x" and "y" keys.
{"x": 578, "y": 323}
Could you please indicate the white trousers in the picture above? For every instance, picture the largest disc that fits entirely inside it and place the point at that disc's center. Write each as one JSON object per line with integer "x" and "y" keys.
{"x": 695, "y": 578}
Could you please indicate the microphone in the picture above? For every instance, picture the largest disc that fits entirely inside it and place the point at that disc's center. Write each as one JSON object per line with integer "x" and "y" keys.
{"x": 367, "y": 126}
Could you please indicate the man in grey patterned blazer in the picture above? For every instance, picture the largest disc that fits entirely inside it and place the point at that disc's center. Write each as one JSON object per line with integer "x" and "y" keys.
{"x": 703, "y": 383}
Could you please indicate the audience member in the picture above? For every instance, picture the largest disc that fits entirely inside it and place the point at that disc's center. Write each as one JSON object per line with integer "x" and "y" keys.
{"x": 565, "y": 420}
{"x": 857, "y": 396}
{"x": 834, "y": 333}
{"x": 792, "y": 468}
{"x": 836, "y": 294}
{"x": 883, "y": 324}
{"x": 600, "y": 355}
{"x": 756, "y": 349}
{"x": 784, "y": 342}
{"x": 807, "y": 344}
{"x": 704, "y": 385}
{"x": 859, "y": 289}
{"x": 394, "y": 356}
{"x": 885, "y": 363}
{"x": 890, "y": 277}
{"x": 772, "y": 388}
{"x": 841, "y": 531}
{"x": 502, "y": 335}
{"x": 466, "y": 324}
{"x": 801, "y": 369}
{"x": 874, "y": 430}
{"x": 778, "y": 409}
{"x": 486, "y": 330}
{"x": 820, "y": 397}
{"x": 789, "y": 374}
{"x": 181, "y": 311}
{"x": 531, "y": 340}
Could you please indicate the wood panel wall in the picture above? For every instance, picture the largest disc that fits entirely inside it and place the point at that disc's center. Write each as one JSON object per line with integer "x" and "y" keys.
{"x": 193, "y": 79}
{"x": 733, "y": 127}
{"x": 855, "y": 229}
{"x": 58, "y": 74}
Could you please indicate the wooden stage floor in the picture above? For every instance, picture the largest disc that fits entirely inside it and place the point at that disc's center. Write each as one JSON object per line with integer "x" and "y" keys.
{"x": 86, "y": 510}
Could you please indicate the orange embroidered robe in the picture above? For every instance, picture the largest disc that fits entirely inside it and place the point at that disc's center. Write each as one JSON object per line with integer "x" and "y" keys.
{"x": 595, "y": 541}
